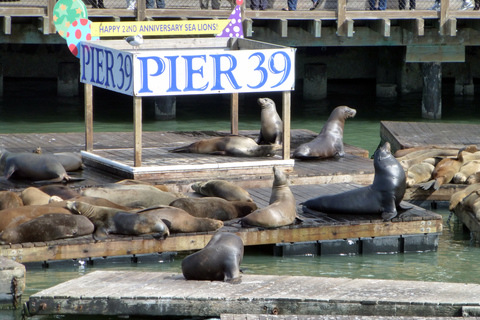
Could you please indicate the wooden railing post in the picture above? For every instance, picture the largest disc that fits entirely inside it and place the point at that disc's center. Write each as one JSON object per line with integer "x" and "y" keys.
{"x": 344, "y": 26}
{"x": 50, "y": 6}
{"x": 444, "y": 16}
{"x": 88, "y": 117}
{"x": 141, "y": 10}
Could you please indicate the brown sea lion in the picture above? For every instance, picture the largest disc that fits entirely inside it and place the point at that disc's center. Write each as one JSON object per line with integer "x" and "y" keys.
{"x": 35, "y": 167}
{"x": 71, "y": 161}
{"x": 236, "y": 146}
{"x": 219, "y": 261}
{"x": 9, "y": 199}
{"x": 178, "y": 220}
{"x": 467, "y": 169}
{"x": 135, "y": 196}
{"x": 415, "y": 151}
{"x": 94, "y": 201}
{"x": 418, "y": 173}
{"x": 281, "y": 210}
{"x": 34, "y": 196}
{"x": 13, "y": 217}
{"x": 271, "y": 130}
{"x": 422, "y": 155}
{"x": 161, "y": 187}
{"x": 222, "y": 189}
{"x": 63, "y": 192}
{"x": 329, "y": 142}
{"x": 458, "y": 196}
{"x": 51, "y": 226}
{"x": 446, "y": 169}
{"x": 214, "y": 207}
{"x": 473, "y": 178}
{"x": 111, "y": 220}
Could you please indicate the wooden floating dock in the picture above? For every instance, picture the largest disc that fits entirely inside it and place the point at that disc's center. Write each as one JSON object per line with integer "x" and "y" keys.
{"x": 329, "y": 234}
{"x": 468, "y": 218}
{"x": 118, "y": 147}
{"x": 403, "y": 135}
{"x": 167, "y": 294}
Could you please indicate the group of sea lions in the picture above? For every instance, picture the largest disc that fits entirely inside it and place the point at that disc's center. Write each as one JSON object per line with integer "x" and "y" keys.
{"x": 432, "y": 167}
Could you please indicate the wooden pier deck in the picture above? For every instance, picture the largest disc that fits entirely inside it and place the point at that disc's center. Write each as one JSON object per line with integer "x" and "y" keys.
{"x": 168, "y": 294}
{"x": 417, "y": 231}
{"x": 468, "y": 218}
{"x": 355, "y": 167}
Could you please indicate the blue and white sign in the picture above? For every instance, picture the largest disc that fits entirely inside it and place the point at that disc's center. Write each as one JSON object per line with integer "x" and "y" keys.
{"x": 187, "y": 71}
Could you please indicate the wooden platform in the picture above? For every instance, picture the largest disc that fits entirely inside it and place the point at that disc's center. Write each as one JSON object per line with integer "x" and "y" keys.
{"x": 418, "y": 230}
{"x": 467, "y": 217}
{"x": 402, "y": 135}
{"x": 355, "y": 167}
{"x": 168, "y": 294}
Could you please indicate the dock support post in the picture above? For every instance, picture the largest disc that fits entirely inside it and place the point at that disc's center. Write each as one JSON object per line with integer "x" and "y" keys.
{"x": 286, "y": 102}
{"x": 234, "y": 113}
{"x": 1, "y": 80}
{"x": 165, "y": 108}
{"x": 88, "y": 117}
{"x": 464, "y": 81}
{"x": 315, "y": 81}
{"x": 137, "y": 131}
{"x": 67, "y": 79}
{"x": 432, "y": 90}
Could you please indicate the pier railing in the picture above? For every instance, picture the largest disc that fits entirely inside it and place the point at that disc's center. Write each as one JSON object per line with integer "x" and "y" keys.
{"x": 411, "y": 13}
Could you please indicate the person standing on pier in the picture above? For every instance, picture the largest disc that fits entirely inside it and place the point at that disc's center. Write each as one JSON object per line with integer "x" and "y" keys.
{"x": 215, "y": 4}
{"x": 151, "y": 4}
{"x": 467, "y": 4}
{"x": 403, "y": 3}
{"x": 382, "y": 4}
{"x": 259, "y": 5}
{"x": 292, "y": 5}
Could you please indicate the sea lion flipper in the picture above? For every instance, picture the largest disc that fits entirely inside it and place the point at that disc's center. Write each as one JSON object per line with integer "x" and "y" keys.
{"x": 100, "y": 233}
{"x": 390, "y": 210}
{"x": 427, "y": 185}
{"x": 405, "y": 205}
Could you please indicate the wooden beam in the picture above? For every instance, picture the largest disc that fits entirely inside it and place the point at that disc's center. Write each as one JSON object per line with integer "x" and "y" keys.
{"x": 51, "y": 27}
{"x": 280, "y": 26}
{"x": 234, "y": 112}
{"x": 342, "y": 18}
{"x": 451, "y": 27}
{"x": 88, "y": 94}
{"x": 415, "y": 26}
{"x": 7, "y": 25}
{"x": 141, "y": 10}
{"x": 286, "y": 107}
{"x": 137, "y": 131}
{"x": 435, "y": 53}
{"x": 443, "y": 17}
{"x": 314, "y": 27}
{"x": 381, "y": 26}
{"x": 247, "y": 27}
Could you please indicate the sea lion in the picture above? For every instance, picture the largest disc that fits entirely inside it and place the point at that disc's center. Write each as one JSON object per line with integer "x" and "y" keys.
{"x": 473, "y": 178}
{"x": 271, "y": 130}
{"x": 446, "y": 169}
{"x": 219, "y": 261}
{"x": 458, "y": 196}
{"x": 467, "y": 169}
{"x": 51, "y": 226}
{"x": 9, "y": 199}
{"x": 161, "y": 187}
{"x": 178, "y": 220}
{"x": 329, "y": 142}
{"x": 281, "y": 210}
{"x": 236, "y": 146}
{"x": 71, "y": 161}
{"x": 383, "y": 196}
{"x": 222, "y": 189}
{"x": 36, "y": 167}
{"x": 34, "y": 196}
{"x": 472, "y": 201}
{"x": 418, "y": 173}
{"x": 94, "y": 201}
{"x": 214, "y": 207}
{"x": 13, "y": 217}
{"x": 110, "y": 220}
{"x": 421, "y": 155}
{"x": 135, "y": 196}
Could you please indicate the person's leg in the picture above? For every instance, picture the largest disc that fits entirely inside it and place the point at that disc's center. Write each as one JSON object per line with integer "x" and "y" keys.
{"x": 382, "y": 4}
{"x": 292, "y": 5}
{"x": 160, "y": 4}
{"x": 215, "y": 4}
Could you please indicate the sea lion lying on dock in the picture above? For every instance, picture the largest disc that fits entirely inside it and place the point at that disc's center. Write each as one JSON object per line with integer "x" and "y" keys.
{"x": 329, "y": 141}
{"x": 13, "y": 217}
{"x": 271, "y": 130}
{"x": 458, "y": 196}
{"x": 35, "y": 167}
{"x": 281, "y": 210}
{"x": 178, "y": 220}
{"x": 9, "y": 199}
{"x": 214, "y": 207}
{"x": 222, "y": 189}
{"x": 63, "y": 192}
{"x": 467, "y": 169}
{"x": 383, "y": 196}
{"x": 219, "y": 261}
{"x": 236, "y": 146}
{"x": 71, "y": 161}
{"x": 135, "y": 196}
{"x": 34, "y": 196}
{"x": 111, "y": 220}
{"x": 50, "y": 226}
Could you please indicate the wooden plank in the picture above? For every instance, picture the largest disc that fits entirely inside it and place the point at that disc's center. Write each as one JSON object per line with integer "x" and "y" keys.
{"x": 435, "y": 53}
{"x": 137, "y": 123}
{"x": 88, "y": 96}
{"x": 342, "y": 27}
{"x": 7, "y": 25}
{"x": 169, "y": 294}
{"x": 468, "y": 218}
{"x": 314, "y": 27}
{"x": 381, "y": 26}
{"x": 234, "y": 113}
{"x": 286, "y": 114}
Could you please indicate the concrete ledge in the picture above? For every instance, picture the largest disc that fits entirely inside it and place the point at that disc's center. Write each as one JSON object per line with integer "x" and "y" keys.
{"x": 12, "y": 282}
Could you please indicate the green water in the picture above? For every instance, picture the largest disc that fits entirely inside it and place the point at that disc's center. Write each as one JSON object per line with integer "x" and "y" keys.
{"x": 39, "y": 110}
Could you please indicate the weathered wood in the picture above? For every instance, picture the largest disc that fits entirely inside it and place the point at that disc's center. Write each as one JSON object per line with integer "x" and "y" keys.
{"x": 88, "y": 97}
{"x": 280, "y": 27}
{"x": 234, "y": 113}
{"x": 137, "y": 129}
{"x": 468, "y": 218}
{"x": 381, "y": 26}
{"x": 7, "y": 25}
{"x": 435, "y": 53}
{"x": 229, "y": 316}
{"x": 314, "y": 27}
{"x": 167, "y": 294}
{"x": 342, "y": 24}
{"x": 286, "y": 114}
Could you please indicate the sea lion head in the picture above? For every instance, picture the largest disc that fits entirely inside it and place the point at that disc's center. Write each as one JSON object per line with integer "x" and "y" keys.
{"x": 279, "y": 178}
{"x": 345, "y": 112}
{"x": 82, "y": 208}
{"x": 265, "y": 103}
{"x": 207, "y": 224}
{"x": 384, "y": 152}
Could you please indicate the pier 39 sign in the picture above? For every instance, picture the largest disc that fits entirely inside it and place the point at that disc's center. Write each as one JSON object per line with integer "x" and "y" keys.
{"x": 152, "y": 72}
